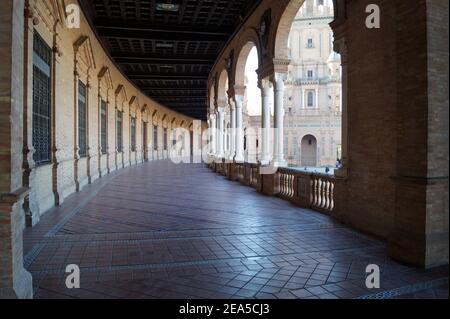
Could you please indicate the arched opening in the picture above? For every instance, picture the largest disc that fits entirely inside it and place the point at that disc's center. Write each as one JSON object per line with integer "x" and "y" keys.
{"x": 222, "y": 113}
{"x": 247, "y": 78}
{"x": 222, "y": 88}
{"x": 313, "y": 90}
{"x": 308, "y": 151}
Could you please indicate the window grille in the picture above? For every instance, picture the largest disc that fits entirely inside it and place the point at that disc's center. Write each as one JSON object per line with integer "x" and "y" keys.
{"x": 82, "y": 119}
{"x": 133, "y": 133}
{"x": 103, "y": 124}
{"x": 119, "y": 131}
{"x": 41, "y": 100}
{"x": 155, "y": 137}
{"x": 165, "y": 139}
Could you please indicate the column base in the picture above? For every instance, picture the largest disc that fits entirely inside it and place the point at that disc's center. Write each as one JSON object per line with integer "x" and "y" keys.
{"x": 279, "y": 163}
{"x": 22, "y": 287}
{"x": 239, "y": 159}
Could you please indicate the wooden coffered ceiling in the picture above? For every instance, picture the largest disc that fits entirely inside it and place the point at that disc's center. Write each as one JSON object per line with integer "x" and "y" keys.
{"x": 167, "y": 48}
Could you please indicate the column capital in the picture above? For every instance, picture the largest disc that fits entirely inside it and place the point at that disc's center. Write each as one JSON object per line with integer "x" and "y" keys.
{"x": 265, "y": 84}
{"x": 278, "y": 79}
{"x": 340, "y": 46}
{"x": 232, "y": 102}
{"x": 239, "y": 90}
{"x": 221, "y": 103}
{"x": 239, "y": 100}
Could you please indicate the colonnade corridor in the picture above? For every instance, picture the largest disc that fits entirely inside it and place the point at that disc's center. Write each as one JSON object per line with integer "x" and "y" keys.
{"x": 160, "y": 230}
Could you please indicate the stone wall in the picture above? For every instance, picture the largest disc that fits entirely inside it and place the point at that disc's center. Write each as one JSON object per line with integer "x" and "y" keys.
{"x": 78, "y": 55}
{"x": 15, "y": 281}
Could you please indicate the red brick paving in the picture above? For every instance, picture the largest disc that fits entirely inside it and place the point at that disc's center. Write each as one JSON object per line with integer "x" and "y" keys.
{"x": 161, "y": 230}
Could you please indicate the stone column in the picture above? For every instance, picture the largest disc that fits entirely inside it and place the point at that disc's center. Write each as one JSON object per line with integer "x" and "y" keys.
{"x": 266, "y": 88}
{"x": 340, "y": 46}
{"x": 213, "y": 133}
{"x": 220, "y": 137}
{"x": 15, "y": 281}
{"x": 232, "y": 132}
{"x": 216, "y": 134}
{"x": 278, "y": 152}
{"x": 209, "y": 133}
{"x": 225, "y": 132}
{"x": 239, "y": 143}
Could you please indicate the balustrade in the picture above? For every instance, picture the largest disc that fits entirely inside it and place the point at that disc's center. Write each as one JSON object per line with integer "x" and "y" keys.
{"x": 309, "y": 190}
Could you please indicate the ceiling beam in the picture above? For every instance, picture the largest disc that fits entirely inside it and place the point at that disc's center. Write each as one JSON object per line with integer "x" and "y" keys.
{"x": 179, "y": 96}
{"x": 163, "y": 60}
{"x": 166, "y": 33}
{"x": 183, "y": 106}
{"x": 168, "y": 76}
{"x": 102, "y": 23}
{"x": 168, "y": 88}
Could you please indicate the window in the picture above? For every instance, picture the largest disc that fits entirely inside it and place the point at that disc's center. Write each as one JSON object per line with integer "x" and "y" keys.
{"x": 155, "y": 137}
{"x": 82, "y": 119}
{"x": 310, "y": 102}
{"x": 165, "y": 139}
{"x": 133, "y": 133}
{"x": 310, "y": 43}
{"x": 144, "y": 137}
{"x": 119, "y": 121}
{"x": 41, "y": 100}
{"x": 174, "y": 137}
{"x": 103, "y": 126}
{"x": 310, "y": 74}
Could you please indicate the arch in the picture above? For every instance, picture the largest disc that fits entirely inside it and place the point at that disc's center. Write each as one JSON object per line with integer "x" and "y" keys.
{"x": 222, "y": 88}
{"x": 247, "y": 41}
{"x": 212, "y": 98}
{"x": 308, "y": 151}
{"x": 239, "y": 74}
{"x": 283, "y": 28}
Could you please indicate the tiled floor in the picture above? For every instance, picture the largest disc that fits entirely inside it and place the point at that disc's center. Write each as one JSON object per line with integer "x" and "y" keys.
{"x": 160, "y": 230}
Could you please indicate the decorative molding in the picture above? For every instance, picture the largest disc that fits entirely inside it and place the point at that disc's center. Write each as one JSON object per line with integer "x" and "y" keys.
{"x": 84, "y": 60}
{"x": 121, "y": 91}
{"x": 134, "y": 105}
{"x": 105, "y": 74}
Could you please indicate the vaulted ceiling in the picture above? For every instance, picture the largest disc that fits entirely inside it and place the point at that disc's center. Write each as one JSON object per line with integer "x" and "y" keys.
{"x": 167, "y": 47}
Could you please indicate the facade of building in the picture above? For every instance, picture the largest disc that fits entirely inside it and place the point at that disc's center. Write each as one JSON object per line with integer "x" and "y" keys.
{"x": 313, "y": 90}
